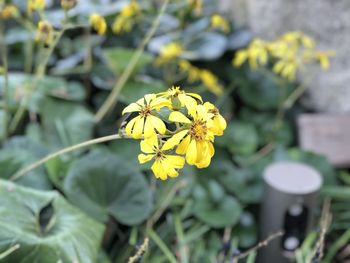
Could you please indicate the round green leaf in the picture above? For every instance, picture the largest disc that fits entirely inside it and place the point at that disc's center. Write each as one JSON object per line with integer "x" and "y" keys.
{"x": 46, "y": 226}
{"x": 103, "y": 184}
{"x": 218, "y": 214}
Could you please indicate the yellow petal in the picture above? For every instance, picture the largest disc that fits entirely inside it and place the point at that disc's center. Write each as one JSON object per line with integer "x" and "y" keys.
{"x": 177, "y": 116}
{"x": 158, "y": 170}
{"x": 130, "y": 125}
{"x": 143, "y": 158}
{"x": 131, "y": 108}
{"x": 198, "y": 97}
{"x": 177, "y": 161}
{"x": 159, "y": 103}
{"x": 149, "y": 129}
{"x": 137, "y": 131}
{"x": 174, "y": 140}
{"x": 191, "y": 154}
{"x": 182, "y": 148}
{"x": 149, "y": 98}
{"x": 149, "y": 145}
{"x": 222, "y": 122}
{"x": 158, "y": 124}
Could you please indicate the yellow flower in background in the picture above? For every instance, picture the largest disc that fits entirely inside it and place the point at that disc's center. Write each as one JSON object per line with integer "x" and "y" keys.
{"x": 9, "y": 11}
{"x": 165, "y": 165}
{"x": 196, "y": 5}
{"x": 125, "y": 21}
{"x": 98, "y": 23}
{"x": 45, "y": 33}
{"x": 211, "y": 82}
{"x": 219, "y": 22}
{"x": 256, "y": 53}
{"x": 146, "y": 123}
{"x": 68, "y": 4}
{"x": 169, "y": 52}
{"x": 35, "y": 5}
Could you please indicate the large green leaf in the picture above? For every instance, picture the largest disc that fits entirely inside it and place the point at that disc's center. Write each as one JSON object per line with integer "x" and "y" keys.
{"x": 240, "y": 138}
{"x": 19, "y": 152}
{"x": 103, "y": 184}
{"x": 118, "y": 58}
{"x": 21, "y": 84}
{"x": 46, "y": 226}
{"x": 65, "y": 123}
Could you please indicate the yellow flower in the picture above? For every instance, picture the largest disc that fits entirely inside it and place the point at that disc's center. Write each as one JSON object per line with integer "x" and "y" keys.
{"x": 169, "y": 52}
{"x": 195, "y": 141}
{"x": 45, "y": 33}
{"x": 178, "y": 96}
{"x": 165, "y": 165}
{"x": 146, "y": 123}
{"x": 68, "y": 4}
{"x": 98, "y": 23}
{"x": 37, "y": 5}
{"x": 211, "y": 82}
{"x": 196, "y": 5}
{"x": 219, "y": 123}
{"x": 9, "y": 11}
{"x": 217, "y": 21}
{"x": 256, "y": 53}
{"x": 125, "y": 20}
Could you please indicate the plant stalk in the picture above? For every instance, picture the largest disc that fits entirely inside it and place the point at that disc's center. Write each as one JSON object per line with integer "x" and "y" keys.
{"x": 111, "y": 101}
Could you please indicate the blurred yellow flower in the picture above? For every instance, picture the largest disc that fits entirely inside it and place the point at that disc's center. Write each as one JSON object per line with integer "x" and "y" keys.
{"x": 146, "y": 123}
{"x": 165, "y": 165}
{"x": 98, "y": 23}
{"x": 256, "y": 53}
{"x": 219, "y": 22}
{"x": 9, "y": 11}
{"x": 45, "y": 33}
{"x": 211, "y": 82}
{"x": 35, "y": 5}
{"x": 196, "y": 5}
{"x": 125, "y": 20}
{"x": 68, "y": 4}
{"x": 169, "y": 52}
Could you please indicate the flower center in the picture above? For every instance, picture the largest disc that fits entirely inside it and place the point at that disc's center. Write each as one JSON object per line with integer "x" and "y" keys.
{"x": 145, "y": 111}
{"x": 199, "y": 130}
{"x": 159, "y": 155}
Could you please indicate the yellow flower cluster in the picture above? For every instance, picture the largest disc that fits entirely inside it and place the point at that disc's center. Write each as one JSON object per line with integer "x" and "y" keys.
{"x": 45, "y": 33}
{"x": 68, "y": 4}
{"x": 126, "y": 19}
{"x": 196, "y": 123}
{"x": 219, "y": 22}
{"x": 289, "y": 53}
{"x": 209, "y": 80}
{"x": 35, "y": 5}
{"x": 98, "y": 23}
{"x": 8, "y": 11}
{"x": 171, "y": 53}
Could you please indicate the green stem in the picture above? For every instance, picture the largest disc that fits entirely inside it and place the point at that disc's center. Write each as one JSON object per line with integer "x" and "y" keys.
{"x": 40, "y": 72}
{"x": 180, "y": 237}
{"x": 9, "y": 251}
{"x": 162, "y": 246}
{"x": 342, "y": 241}
{"x": 51, "y": 156}
{"x": 113, "y": 96}
{"x": 3, "y": 52}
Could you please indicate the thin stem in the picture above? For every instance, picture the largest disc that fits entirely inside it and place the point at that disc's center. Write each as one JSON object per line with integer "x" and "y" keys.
{"x": 180, "y": 238}
{"x": 162, "y": 246}
{"x": 9, "y": 251}
{"x": 113, "y": 96}
{"x": 51, "y": 156}
{"x": 3, "y": 51}
{"x": 140, "y": 252}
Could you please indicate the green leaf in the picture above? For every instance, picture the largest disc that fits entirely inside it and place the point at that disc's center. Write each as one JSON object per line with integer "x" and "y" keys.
{"x": 246, "y": 230}
{"x": 263, "y": 90}
{"x": 118, "y": 58}
{"x": 337, "y": 192}
{"x": 20, "y": 84}
{"x": 241, "y": 138}
{"x": 19, "y": 152}
{"x": 69, "y": 125}
{"x": 226, "y": 212}
{"x": 46, "y": 226}
{"x": 103, "y": 184}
